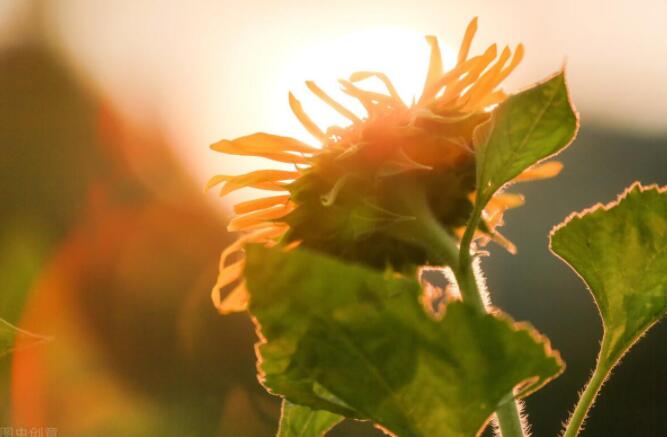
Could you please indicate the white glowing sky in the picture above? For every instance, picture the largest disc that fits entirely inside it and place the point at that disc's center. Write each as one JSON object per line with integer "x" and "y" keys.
{"x": 217, "y": 69}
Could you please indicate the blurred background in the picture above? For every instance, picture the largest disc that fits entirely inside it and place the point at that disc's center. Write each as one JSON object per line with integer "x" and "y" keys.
{"x": 109, "y": 246}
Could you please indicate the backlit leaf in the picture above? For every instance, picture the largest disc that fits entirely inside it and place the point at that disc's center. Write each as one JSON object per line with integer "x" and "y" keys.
{"x": 620, "y": 251}
{"x": 353, "y": 341}
{"x": 526, "y": 128}
{"x": 300, "y": 421}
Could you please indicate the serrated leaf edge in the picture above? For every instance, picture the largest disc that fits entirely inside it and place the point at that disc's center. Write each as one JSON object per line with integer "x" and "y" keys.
{"x": 578, "y": 215}
{"x": 604, "y": 206}
{"x": 577, "y": 123}
{"x": 520, "y": 390}
{"x": 538, "y": 338}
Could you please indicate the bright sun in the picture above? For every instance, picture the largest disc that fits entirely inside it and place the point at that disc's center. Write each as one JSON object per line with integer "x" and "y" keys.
{"x": 400, "y": 53}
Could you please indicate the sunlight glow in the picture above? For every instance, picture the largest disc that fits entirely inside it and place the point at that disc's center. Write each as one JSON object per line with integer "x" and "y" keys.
{"x": 400, "y": 53}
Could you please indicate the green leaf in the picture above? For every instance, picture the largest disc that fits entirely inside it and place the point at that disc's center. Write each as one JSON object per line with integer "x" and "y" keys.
{"x": 353, "y": 341}
{"x": 526, "y": 128}
{"x": 620, "y": 251}
{"x": 300, "y": 421}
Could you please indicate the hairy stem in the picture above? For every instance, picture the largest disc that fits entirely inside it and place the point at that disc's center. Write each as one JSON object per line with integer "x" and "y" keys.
{"x": 508, "y": 416}
{"x": 509, "y": 420}
{"x": 465, "y": 276}
{"x": 464, "y": 249}
{"x": 426, "y": 231}
{"x": 602, "y": 369}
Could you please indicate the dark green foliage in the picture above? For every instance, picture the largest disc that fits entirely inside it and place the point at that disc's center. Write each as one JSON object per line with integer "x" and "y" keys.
{"x": 353, "y": 341}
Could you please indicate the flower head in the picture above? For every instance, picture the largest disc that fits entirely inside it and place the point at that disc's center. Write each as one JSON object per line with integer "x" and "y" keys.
{"x": 359, "y": 194}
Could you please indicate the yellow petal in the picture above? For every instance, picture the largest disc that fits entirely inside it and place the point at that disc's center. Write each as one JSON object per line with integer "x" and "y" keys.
{"x": 269, "y": 186}
{"x": 509, "y": 200}
{"x": 255, "y": 204}
{"x": 467, "y": 40}
{"x": 361, "y": 75}
{"x": 500, "y": 239}
{"x": 258, "y": 236}
{"x": 257, "y": 217}
{"x": 263, "y": 142}
{"x": 367, "y": 96}
{"x": 540, "y": 171}
{"x": 255, "y": 179}
{"x": 235, "y": 301}
{"x": 434, "y": 68}
{"x": 502, "y": 202}
{"x": 493, "y": 98}
{"x": 275, "y": 147}
{"x": 349, "y": 89}
{"x": 286, "y": 157}
{"x": 215, "y": 180}
{"x": 331, "y": 102}
{"x": 516, "y": 59}
{"x": 229, "y": 274}
{"x": 486, "y": 83}
{"x": 481, "y": 96}
{"x": 450, "y": 77}
{"x": 293, "y": 245}
{"x": 476, "y": 69}
{"x": 307, "y": 123}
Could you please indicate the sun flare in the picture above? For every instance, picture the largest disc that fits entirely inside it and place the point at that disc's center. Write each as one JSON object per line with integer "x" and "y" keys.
{"x": 400, "y": 158}
{"x": 397, "y": 52}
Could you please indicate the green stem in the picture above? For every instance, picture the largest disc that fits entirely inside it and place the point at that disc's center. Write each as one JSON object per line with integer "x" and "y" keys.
{"x": 591, "y": 391}
{"x": 508, "y": 416}
{"x": 509, "y": 420}
{"x": 465, "y": 273}
{"x": 464, "y": 249}
{"x": 426, "y": 231}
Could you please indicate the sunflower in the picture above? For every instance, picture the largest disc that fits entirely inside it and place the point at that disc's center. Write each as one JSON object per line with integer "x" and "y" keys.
{"x": 363, "y": 195}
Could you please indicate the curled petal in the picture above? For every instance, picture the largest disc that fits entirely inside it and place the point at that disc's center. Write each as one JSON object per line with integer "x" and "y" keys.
{"x": 263, "y": 179}
{"x": 307, "y": 123}
{"x": 229, "y": 274}
{"x": 236, "y": 301}
{"x": 361, "y": 75}
{"x": 215, "y": 180}
{"x": 255, "y": 218}
{"x": 331, "y": 102}
{"x": 369, "y": 99}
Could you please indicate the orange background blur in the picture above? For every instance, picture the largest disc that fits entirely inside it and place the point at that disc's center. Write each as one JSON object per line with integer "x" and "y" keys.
{"x": 109, "y": 245}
